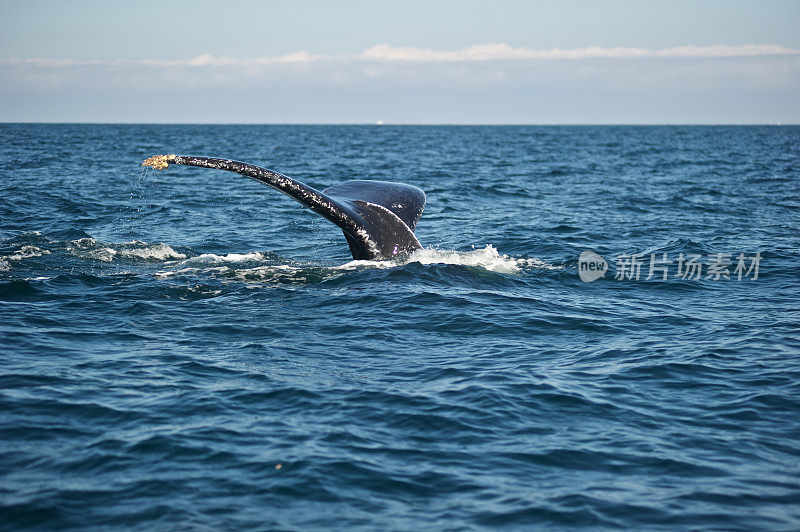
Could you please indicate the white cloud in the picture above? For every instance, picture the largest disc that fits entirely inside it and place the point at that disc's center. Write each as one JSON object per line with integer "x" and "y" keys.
{"x": 481, "y": 67}
{"x": 388, "y": 53}
{"x": 502, "y": 51}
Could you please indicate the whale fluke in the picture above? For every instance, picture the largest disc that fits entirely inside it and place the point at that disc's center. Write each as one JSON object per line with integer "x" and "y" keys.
{"x": 377, "y": 218}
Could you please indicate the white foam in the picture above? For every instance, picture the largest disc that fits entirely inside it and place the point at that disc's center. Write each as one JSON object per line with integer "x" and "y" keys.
{"x": 282, "y": 272}
{"x": 83, "y": 243}
{"x": 93, "y": 249}
{"x": 184, "y": 271}
{"x": 4, "y": 265}
{"x": 537, "y": 263}
{"x": 230, "y": 257}
{"x": 355, "y": 264}
{"x": 102, "y": 254}
{"x": 160, "y": 252}
{"x": 27, "y": 252}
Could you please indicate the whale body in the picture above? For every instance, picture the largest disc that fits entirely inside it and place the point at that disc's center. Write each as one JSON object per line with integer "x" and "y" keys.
{"x": 377, "y": 218}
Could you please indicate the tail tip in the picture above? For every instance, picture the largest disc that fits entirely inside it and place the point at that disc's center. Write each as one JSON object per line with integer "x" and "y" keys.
{"x": 159, "y": 162}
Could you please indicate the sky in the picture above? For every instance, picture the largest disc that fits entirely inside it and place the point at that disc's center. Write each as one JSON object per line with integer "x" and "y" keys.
{"x": 411, "y": 62}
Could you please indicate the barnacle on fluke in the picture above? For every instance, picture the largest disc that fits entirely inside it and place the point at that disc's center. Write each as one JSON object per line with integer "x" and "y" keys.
{"x": 159, "y": 162}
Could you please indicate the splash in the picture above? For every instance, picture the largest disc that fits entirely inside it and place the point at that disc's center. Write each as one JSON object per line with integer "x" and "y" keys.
{"x": 487, "y": 258}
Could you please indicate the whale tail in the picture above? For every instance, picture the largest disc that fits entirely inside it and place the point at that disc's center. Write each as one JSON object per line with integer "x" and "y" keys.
{"x": 377, "y": 218}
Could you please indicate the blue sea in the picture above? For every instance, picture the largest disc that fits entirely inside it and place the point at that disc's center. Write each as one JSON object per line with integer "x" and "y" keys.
{"x": 189, "y": 349}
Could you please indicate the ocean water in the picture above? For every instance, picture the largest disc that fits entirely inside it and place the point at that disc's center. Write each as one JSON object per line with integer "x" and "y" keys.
{"x": 189, "y": 349}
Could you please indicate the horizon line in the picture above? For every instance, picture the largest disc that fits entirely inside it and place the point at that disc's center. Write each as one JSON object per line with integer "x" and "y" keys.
{"x": 385, "y": 124}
